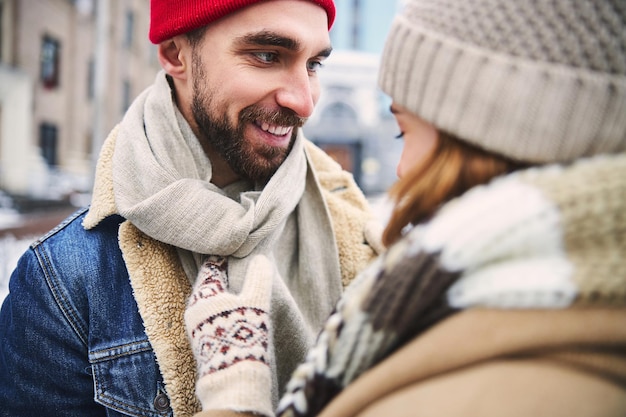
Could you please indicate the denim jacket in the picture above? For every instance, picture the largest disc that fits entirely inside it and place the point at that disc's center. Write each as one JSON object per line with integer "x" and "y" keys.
{"x": 78, "y": 336}
{"x": 74, "y": 314}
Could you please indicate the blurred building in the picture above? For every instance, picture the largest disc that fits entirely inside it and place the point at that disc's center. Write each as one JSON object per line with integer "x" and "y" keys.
{"x": 352, "y": 121}
{"x": 67, "y": 73}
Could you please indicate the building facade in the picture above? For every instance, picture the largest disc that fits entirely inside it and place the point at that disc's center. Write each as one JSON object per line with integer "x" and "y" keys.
{"x": 352, "y": 121}
{"x": 68, "y": 71}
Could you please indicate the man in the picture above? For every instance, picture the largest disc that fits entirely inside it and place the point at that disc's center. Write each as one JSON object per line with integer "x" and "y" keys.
{"x": 207, "y": 184}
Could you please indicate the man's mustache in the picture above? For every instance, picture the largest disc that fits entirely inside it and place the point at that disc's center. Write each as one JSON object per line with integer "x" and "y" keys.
{"x": 280, "y": 117}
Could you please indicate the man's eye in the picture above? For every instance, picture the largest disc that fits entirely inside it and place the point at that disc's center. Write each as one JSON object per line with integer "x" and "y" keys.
{"x": 313, "y": 66}
{"x": 267, "y": 57}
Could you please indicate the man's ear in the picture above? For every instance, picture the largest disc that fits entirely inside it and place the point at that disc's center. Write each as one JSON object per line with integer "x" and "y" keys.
{"x": 172, "y": 59}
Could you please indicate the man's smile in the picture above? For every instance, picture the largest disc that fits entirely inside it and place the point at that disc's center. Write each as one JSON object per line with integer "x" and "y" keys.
{"x": 274, "y": 129}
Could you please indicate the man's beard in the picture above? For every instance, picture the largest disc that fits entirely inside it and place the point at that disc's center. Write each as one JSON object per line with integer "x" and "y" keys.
{"x": 256, "y": 163}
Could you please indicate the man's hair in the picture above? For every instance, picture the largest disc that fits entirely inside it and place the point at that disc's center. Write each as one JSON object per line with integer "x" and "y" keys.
{"x": 453, "y": 168}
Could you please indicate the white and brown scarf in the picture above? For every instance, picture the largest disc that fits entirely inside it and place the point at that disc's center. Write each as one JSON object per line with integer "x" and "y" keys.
{"x": 547, "y": 238}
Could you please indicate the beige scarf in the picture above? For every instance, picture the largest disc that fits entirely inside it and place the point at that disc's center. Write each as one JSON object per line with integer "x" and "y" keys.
{"x": 161, "y": 183}
{"x": 176, "y": 202}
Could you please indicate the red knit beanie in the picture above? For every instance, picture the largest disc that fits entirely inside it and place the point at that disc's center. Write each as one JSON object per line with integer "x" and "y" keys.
{"x": 169, "y": 18}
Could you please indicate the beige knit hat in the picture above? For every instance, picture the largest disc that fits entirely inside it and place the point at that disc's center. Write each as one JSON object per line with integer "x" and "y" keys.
{"x": 534, "y": 80}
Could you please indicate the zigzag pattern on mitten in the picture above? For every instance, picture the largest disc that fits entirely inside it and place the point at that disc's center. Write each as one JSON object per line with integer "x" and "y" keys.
{"x": 230, "y": 335}
{"x": 234, "y": 336}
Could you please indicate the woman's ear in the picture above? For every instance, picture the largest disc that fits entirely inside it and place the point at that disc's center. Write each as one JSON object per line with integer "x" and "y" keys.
{"x": 172, "y": 59}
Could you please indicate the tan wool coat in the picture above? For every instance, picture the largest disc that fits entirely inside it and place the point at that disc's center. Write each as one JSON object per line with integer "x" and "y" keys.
{"x": 564, "y": 363}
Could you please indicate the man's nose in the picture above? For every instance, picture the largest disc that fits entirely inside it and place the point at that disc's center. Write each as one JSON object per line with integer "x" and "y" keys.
{"x": 298, "y": 93}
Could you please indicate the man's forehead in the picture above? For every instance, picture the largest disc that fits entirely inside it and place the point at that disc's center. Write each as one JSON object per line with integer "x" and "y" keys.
{"x": 302, "y": 21}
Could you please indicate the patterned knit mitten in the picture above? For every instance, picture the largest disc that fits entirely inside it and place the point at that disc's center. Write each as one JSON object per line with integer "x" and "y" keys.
{"x": 229, "y": 337}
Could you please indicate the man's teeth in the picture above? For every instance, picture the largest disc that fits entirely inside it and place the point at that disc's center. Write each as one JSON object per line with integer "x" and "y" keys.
{"x": 275, "y": 130}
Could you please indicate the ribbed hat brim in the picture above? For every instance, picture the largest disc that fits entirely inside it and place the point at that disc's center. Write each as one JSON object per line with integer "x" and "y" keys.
{"x": 526, "y": 110}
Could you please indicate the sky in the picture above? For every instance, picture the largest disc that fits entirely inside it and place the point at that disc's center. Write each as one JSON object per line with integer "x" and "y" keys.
{"x": 375, "y": 17}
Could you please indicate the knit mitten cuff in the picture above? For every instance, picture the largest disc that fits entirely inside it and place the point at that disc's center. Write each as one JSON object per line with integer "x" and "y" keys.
{"x": 243, "y": 387}
{"x": 229, "y": 336}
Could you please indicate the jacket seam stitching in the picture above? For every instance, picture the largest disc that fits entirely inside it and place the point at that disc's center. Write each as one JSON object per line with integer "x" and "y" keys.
{"x": 59, "y": 297}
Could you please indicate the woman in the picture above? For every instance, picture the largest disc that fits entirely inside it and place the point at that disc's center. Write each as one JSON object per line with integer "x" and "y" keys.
{"x": 503, "y": 291}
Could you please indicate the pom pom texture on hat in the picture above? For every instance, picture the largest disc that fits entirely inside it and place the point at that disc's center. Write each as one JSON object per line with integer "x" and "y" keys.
{"x": 537, "y": 81}
{"x": 170, "y": 18}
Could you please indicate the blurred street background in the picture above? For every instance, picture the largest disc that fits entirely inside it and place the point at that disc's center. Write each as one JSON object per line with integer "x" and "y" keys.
{"x": 69, "y": 69}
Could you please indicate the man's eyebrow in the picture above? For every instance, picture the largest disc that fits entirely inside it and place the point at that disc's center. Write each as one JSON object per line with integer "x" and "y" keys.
{"x": 393, "y": 110}
{"x": 267, "y": 38}
{"x": 325, "y": 53}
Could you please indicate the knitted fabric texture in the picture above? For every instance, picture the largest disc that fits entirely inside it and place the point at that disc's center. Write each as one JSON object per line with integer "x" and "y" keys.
{"x": 161, "y": 288}
{"x": 529, "y": 240}
{"x": 181, "y": 182}
{"x": 170, "y": 18}
{"x": 169, "y": 197}
{"x": 538, "y": 81}
{"x": 229, "y": 337}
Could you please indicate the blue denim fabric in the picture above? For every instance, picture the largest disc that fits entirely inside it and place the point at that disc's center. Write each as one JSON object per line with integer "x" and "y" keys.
{"x": 72, "y": 342}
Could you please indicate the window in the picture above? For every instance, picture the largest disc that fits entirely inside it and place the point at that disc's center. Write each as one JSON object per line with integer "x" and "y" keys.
{"x": 50, "y": 56}
{"x": 339, "y": 113}
{"x": 91, "y": 79}
{"x": 126, "y": 96}
{"x": 48, "y": 142}
{"x": 130, "y": 28}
